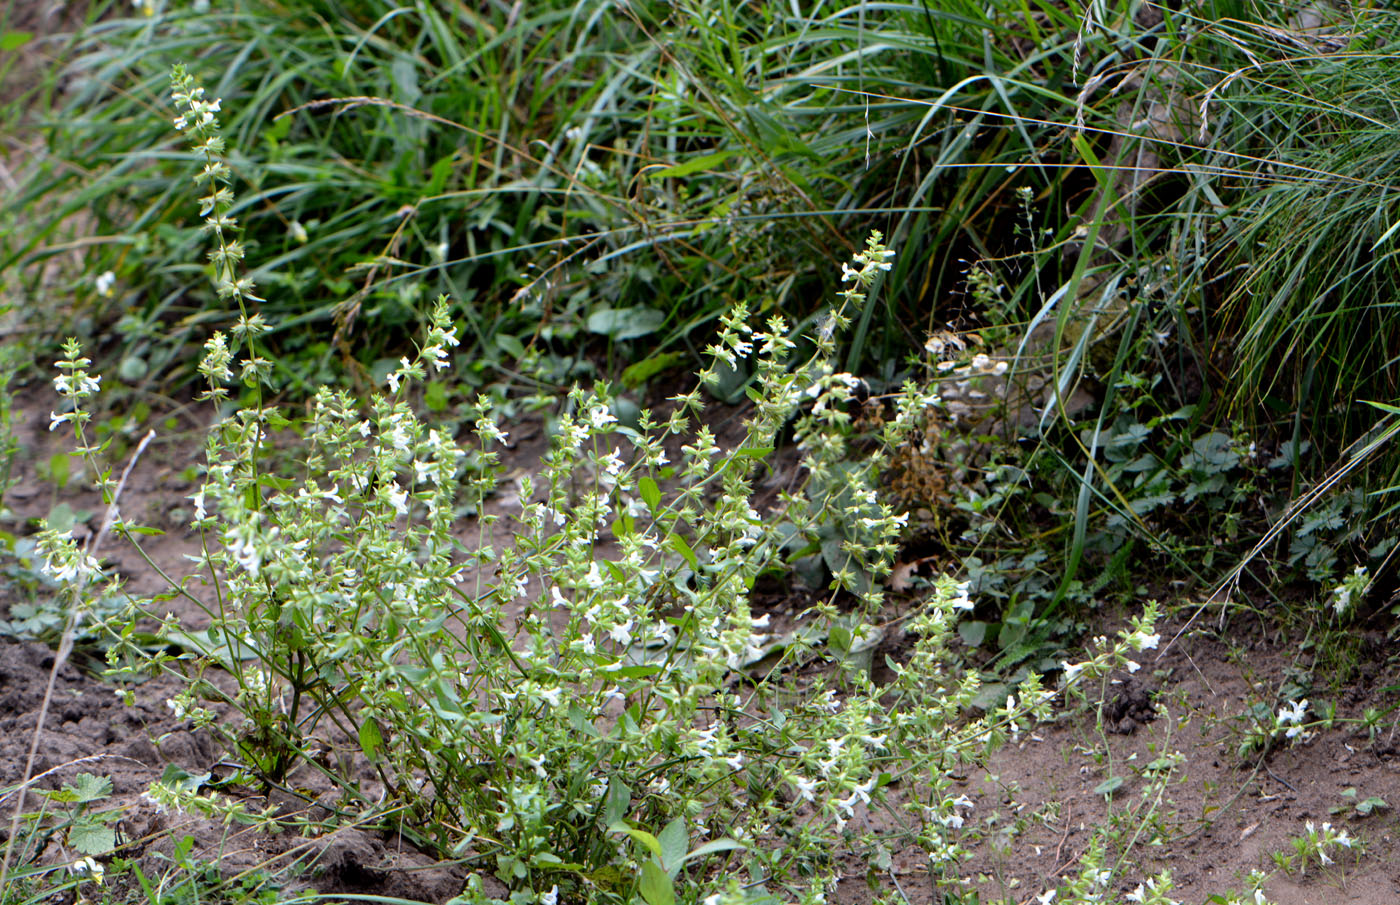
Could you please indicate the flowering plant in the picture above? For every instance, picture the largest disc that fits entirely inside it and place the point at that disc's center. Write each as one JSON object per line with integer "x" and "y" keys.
{"x": 587, "y": 704}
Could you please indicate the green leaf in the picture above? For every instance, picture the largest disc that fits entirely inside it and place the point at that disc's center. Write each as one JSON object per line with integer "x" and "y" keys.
{"x": 753, "y": 452}
{"x": 674, "y": 843}
{"x": 14, "y": 40}
{"x": 677, "y": 543}
{"x": 435, "y": 396}
{"x": 642, "y": 836}
{"x": 132, "y": 368}
{"x": 634, "y": 672}
{"x": 1370, "y": 805}
{"x": 972, "y": 633}
{"x": 713, "y": 847}
{"x": 615, "y": 803}
{"x": 370, "y": 737}
{"x": 625, "y": 323}
{"x": 656, "y": 886}
{"x": 91, "y": 838}
{"x": 61, "y": 518}
{"x": 87, "y": 788}
{"x": 1109, "y": 786}
{"x": 59, "y": 469}
{"x": 694, "y": 165}
{"x": 181, "y": 780}
{"x": 511, "y": 345}
{"x": 650, "y": 493}
{"x": 640, "y": 372}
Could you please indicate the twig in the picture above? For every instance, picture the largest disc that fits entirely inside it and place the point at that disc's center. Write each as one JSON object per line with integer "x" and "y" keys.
{"x": 1276, "y": 777}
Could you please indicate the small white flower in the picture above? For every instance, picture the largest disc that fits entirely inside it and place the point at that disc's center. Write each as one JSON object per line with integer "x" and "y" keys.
{"x": 859, "y": 794}
{"x": 91, "y": 868}
{"x": 806, "y": 788}
{"x": 1046, "y": 897}
{"x": 551, "y": 897}
{"x": 398, "y": 498}
{"x": 297, "y": 232}
{"x": 1142, "y": 641}
{"x": 1292, "y": 716}
{"x": 105, "y": 283}
{"x": 622, "y": 634}
{"x": 600, "y": 417}
{"x": 1072, "y": 670}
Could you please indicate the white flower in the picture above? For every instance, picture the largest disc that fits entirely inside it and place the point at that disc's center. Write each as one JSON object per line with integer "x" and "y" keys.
{"x": 600, "y": 417}
{"x": 860, "y": 793}
{"x": 622, "y": 634}
{"x": 198, "y": 499}
{"x": 551, "y": 897}
{"x": 1141, "y": 641}
{"x": 104, "y": 285}
{"x": 1292, "y": 715}
{"x": 594, "y": 578}
{"x": 398, "y": 498}
{"x": 1136, "y": 895}
{"x": 612, "y": 462}
{"x": 90, "y": 867}
{"x": 1133, "y": 666}
{"x": 806, "y": 788}
{"x": 1046, "y": 897}
{"x": 298, "y": 232}
{"x": 437, "y": 356}
{"x": 1072, "y": 670}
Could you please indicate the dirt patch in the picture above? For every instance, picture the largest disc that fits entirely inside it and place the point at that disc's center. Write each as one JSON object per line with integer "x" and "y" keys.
{"x": 1189, "y": 800}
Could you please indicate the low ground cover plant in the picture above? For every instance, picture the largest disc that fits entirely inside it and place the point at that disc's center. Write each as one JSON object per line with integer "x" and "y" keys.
{"x": 586, "y": 706}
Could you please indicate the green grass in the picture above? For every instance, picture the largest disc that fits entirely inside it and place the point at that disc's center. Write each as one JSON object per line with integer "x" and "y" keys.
{"x": 548, "y": 164}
